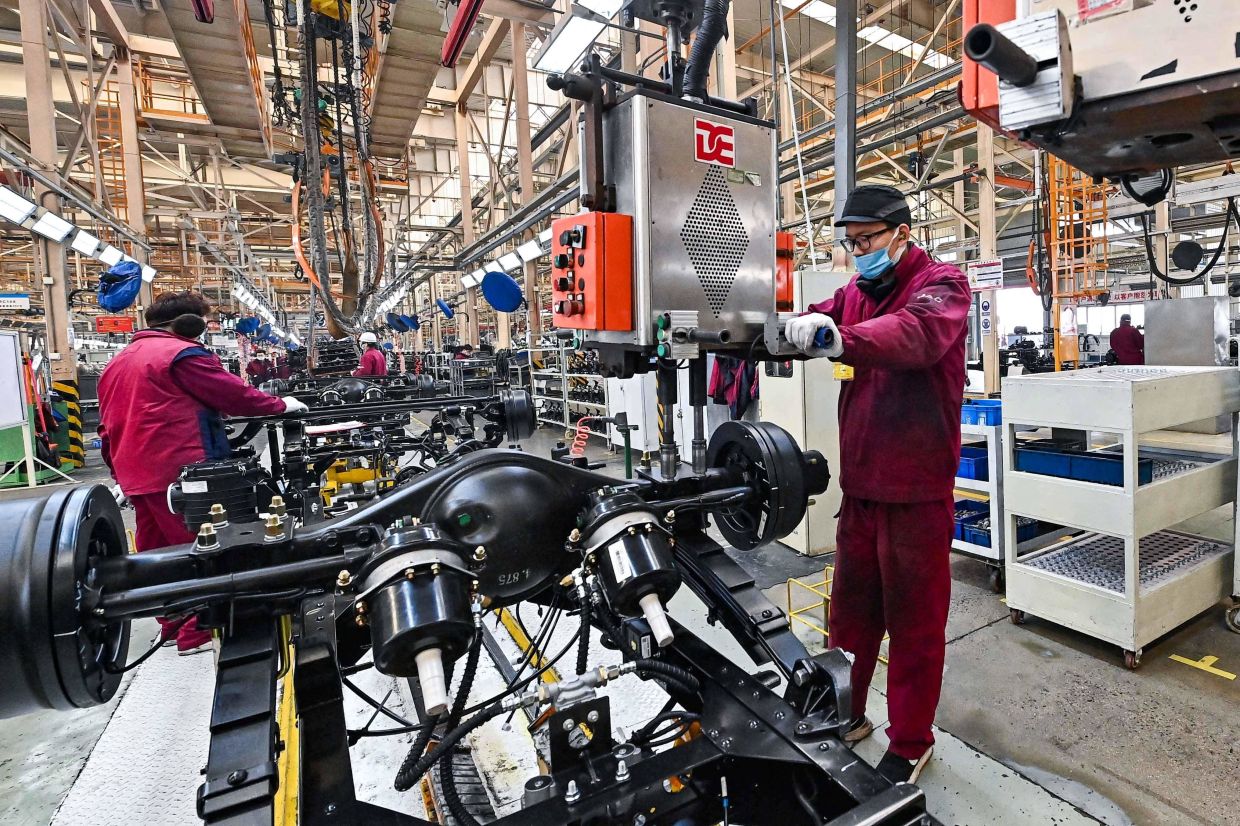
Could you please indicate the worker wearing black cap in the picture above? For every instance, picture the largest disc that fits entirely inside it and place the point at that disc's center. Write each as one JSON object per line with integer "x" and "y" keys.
{"x": 901, "y": 325}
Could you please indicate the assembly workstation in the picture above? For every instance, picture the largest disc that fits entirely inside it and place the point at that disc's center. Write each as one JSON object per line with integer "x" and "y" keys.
{"x": 634, "y": 412}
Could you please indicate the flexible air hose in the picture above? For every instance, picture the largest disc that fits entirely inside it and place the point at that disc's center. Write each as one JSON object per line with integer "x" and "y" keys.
{"x": 710, "y": 31}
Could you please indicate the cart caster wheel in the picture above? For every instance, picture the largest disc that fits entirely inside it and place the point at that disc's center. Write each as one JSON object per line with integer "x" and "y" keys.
{"x": 1233, "y": 618}
{"x": 1016, "y": 616}
{"x": 1132, "y": 659}
{"x": 998, "y": 582}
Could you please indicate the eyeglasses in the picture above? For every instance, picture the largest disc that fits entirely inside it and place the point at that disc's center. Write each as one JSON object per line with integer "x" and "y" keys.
{"x": 862, "y": 241}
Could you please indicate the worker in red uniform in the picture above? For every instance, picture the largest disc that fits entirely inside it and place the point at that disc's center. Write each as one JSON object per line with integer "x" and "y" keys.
{"x": 466, "y": 351}
{"x": 259, "y": 369}
{"x": 1128, "y": 342}
{"x": 901, "y": 325}
{"x": 160, "y": 402}
{"x": 373, "y": 363}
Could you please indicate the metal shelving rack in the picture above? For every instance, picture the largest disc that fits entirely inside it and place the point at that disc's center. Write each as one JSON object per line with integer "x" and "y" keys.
{"x": 1124, "y": 576}
{"x": 472, "y": 377}
{"x": 552, "y": 383}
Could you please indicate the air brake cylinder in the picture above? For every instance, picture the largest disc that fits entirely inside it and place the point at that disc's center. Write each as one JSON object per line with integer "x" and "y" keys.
{"x": 415, "y": 596}
{"x": 633, "y": 553}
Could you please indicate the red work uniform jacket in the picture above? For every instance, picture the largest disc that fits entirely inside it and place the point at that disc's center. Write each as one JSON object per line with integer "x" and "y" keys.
{"x": 899, "y": 416}
{"x": 160, "y": 401}
{"x": 1128, "y": 344}
{"x": 373, "y": 363}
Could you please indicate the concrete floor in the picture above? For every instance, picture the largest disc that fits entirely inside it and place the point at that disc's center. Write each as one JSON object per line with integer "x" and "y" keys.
{"x": 1031, "y": 713}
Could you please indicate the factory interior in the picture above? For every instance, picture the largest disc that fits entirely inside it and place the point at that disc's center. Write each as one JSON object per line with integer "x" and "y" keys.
{"x": 619, "y": 412}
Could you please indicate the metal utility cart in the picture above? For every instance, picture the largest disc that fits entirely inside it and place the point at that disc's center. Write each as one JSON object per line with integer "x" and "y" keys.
{"x": 1124, "y": 576}
{"x": 992, "y": 489}
{"x": 472, "y": 376}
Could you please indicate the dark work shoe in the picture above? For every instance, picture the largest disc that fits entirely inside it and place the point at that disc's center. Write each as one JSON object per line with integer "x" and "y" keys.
{"x": 860, "y": 729}
{"x": 900, "y": 770}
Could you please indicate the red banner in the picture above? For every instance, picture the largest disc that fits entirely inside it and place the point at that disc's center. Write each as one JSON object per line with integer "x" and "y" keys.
{"x": 113, "y": 324}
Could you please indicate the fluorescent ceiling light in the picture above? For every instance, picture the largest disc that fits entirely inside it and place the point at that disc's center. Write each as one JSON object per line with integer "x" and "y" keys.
{"x": 530, "y": 250}
{"x": 14, "y": 207}
{"x": 52, "y": 227}
{"x": 468, "y": 281}
{"x": 492, "y": 266}
{"x": 510, "y": 261}
{"x": 544, "y": 237}
{"x": 148, "y": 273}
{"x": 478, "y": 274}
{"x": 111, "y": 255}
{"x": 85, "y": 243}
{"x": 572, "y": 36}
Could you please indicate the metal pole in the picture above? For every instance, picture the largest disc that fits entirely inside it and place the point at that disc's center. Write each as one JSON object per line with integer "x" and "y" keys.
{"x": 697, "y": 400}
{"x": 665, "y": 390}
{"x": 525, "y": 171}
{"x": 845, "y": 103}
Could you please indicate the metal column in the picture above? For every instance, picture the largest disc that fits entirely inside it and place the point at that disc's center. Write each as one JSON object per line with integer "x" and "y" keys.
{"x": 41, "y": 116}
{"x": 525, "y": 170}
{"x": 845, "y": 103}
{"x": 135, "y": 193}
{"x": 467, "y": 332}
{"x": 987, "y": 250}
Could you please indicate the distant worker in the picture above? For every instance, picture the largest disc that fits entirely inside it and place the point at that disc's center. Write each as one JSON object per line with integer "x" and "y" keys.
{"x": 901, "y": 325}
{"x": 258, "y": 369}
{"x": 160, "y": 402}
{"x": 465, "y": 351}
{"x": 1128, "y": 342}
{"x": 374, "y": 363}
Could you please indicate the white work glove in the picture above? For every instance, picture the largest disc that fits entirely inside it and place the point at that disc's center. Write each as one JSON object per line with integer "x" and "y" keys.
{"x": 293, "y": 405}
{"x": 801, "y": 331}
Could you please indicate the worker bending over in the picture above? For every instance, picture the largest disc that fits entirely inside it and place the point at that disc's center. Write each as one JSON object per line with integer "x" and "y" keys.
{"x": 901, "y": 325}
{"x": 373, "y": 363}
{"x": 1127, "y": 342}
{"x": 160, "y": 402}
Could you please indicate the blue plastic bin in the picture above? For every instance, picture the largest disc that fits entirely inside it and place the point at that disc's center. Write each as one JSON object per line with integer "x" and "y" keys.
{"x": 973, "y": 464}
{"x": 989, "y": 411}
{"x": 1101, "y": 468}
{"x": 968, "y": 511}
{"x": 968, "y": 413}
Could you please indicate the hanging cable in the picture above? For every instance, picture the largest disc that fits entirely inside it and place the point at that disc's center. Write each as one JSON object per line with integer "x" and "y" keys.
{"x": 796, "y": 138}
{"x": 1157, "y": 272}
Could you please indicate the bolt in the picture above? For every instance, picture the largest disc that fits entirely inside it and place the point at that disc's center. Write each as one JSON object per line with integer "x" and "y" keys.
{"x": 571, "y": 793}
{"x": 632, "y": 530}
{"x": 277, "y": 505}
{"x": 329, "y": 809}
{"x": 343, "y": 579}
{"x": 410, "y": 573}
{"x": 622, "y": 772}
{"x": 825, "y": 745}
{"x": 568, "y": 724}
{"x": 274, "y": 528}
{"x": 714, "y": 733}
{"x": 238, "y": 777}
{"x": 360, "y": 607}
{"x": 727, "y": 743}
{"x": 779, "y": 715}
{"x": 592, "y": 717}
{"x": 802, "y": 727}
{"x": 206, "y": 536}
{"x": 434, "y": 569}
{"x": 670, "y": 517}
{"x": 219, "y": 516}
{"x": 480, "y": 553}
{"x": 753, "y": 725}
{"x": 575, "y": 536}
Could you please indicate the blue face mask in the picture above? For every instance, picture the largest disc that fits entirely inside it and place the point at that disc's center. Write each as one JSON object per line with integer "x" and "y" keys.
{"x": 874, "y": 265}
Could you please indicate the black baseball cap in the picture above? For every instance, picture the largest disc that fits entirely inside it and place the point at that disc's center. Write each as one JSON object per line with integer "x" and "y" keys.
{"x": 876, "y": 202}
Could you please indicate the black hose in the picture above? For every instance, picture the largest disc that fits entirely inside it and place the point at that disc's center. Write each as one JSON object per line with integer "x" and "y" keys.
{"x": 658, "y": 668}
{"x": 451, "y": 797}
{"x": 583, "y": 638}
{"x": 1218, "y": 252}
{"x": 404, "y": 777}
{"x": 711, "y": 30}
{"x": 452, "y": 738}
{"x": 408, "y": 774}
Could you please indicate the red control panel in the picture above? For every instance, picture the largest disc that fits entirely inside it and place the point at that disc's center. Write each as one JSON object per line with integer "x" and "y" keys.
{"x": 592, "y": 271}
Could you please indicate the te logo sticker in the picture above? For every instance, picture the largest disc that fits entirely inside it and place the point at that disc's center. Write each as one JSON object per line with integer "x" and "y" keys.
{"x": 714, "y": 143}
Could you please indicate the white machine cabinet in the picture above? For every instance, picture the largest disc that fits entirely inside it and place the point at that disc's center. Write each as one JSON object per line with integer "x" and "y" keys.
{"x": 1126, "y": 576}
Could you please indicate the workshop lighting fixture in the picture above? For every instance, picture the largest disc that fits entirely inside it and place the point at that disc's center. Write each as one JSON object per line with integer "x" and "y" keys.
{"x": 603, "y": 8}
{"x": 492, "y": 266}
{"x": 530, "y": 250}
{"x": 111, "y": 255}
{"x": 510, "y": 262}
{"x": 52, "y": 227}
{"x": 568, "y": 42}
{"x": 468, "y": 280}
{"x": 544, "y": 237}
{"x": 148, "y": 273}
{"x": 14, "y": 207}
{"x": 85, "y": 243}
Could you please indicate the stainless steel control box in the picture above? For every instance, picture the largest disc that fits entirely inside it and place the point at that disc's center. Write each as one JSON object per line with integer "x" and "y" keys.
{"x": 701, "y": 187}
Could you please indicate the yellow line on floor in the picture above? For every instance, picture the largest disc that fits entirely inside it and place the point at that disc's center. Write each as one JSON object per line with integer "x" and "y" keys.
{"x": 1205, "y": 664}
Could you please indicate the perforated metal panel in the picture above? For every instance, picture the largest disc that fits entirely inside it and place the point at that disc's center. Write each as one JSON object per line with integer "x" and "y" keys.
{"x": 1099, "y": 559}
{"x": 715, "y": 238}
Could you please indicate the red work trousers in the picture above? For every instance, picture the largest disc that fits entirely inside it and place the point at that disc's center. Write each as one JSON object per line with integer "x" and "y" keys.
{"x": 892, "y": 574}
{"x": 158, "y": 527}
